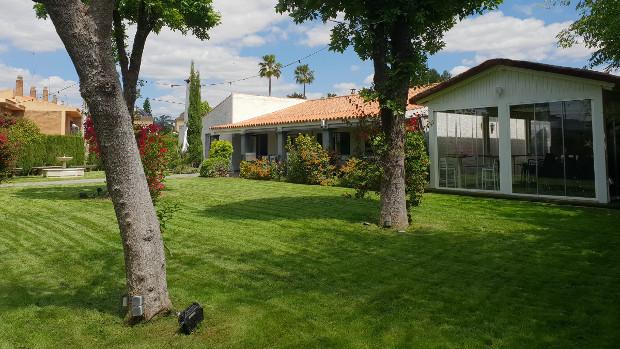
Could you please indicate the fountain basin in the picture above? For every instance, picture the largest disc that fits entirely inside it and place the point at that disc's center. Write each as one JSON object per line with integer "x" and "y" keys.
{"x": 63, "y": 172}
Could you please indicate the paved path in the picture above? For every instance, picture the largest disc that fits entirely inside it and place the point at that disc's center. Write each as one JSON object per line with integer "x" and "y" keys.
{"x": 76, "y": 181}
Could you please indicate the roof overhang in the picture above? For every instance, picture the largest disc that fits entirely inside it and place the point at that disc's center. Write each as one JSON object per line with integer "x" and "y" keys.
{"x": 605, "y": 80}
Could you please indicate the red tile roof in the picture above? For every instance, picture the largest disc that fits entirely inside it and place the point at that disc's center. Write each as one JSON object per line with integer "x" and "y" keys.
{"x": 335, "y": 108}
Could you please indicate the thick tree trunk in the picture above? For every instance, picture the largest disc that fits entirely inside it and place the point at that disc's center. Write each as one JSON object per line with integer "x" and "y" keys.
{"x": 85, "y": 31}
{"x": 393, "y": 196}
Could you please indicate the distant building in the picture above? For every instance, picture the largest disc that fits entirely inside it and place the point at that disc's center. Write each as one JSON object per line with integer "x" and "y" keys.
{"x": 51, "y": 117}
{"x": 179, "y": 122}
{"x": 142, "y": 118}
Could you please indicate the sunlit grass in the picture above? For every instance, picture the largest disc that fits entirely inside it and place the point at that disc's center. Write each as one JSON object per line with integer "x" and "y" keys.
{"x": 289, "y": 266}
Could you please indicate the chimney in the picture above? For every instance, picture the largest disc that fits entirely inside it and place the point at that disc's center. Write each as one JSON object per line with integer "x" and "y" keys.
{"x": 55, "y": 99}
{"x": 33, "y": 92}
{"x": 45, "y": 94}
{"x": 19, "y": 86}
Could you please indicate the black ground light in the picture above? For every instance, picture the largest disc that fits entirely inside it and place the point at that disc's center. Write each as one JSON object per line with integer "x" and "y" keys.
{"x": 190, "y": 318}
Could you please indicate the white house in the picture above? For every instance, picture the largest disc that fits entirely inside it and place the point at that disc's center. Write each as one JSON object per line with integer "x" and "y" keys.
{"x": 333, "y": 121}
{"x": 526, "y": 129}
{"x": 236, "y": 108}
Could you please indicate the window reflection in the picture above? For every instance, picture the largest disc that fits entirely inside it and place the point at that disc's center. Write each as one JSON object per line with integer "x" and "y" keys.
{"x": 551, "y": 147}
{"x": 468, "y": 147}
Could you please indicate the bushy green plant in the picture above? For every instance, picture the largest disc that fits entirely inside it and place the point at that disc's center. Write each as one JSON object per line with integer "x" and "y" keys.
{"x": 221, "y": 149}
{"x": 308, "y": 162}
{"x": 362, "y": 175}
{"x": 417, "y": 165}
{"x": 259, "y": 169}
{"x": 23, "y": 132}
{"x": 45, "y": 150}
{"x": 365, "y": 175}
{"x": 215, "y": 167}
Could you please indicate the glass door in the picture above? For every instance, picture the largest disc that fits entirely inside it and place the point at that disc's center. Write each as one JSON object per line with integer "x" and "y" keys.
{"x": 612, "y": 128}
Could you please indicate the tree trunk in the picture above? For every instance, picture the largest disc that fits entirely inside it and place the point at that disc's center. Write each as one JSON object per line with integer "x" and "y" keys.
{"x": 85, "y": 31}
{"x": 270, "y": 86}
{"x": 130, "y": 66}
{"x": 393, "y": 194}
{"x": 304, "y": 90}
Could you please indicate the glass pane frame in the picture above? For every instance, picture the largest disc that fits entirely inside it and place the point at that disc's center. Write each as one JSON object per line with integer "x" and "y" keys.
{"x": 467, "y": 143}
{"x": 551, "y": 145}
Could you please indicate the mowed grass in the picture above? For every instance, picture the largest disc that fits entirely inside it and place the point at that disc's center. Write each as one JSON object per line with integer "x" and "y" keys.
{"x": 279, "y": 265}
{"x": 40, "y": 178}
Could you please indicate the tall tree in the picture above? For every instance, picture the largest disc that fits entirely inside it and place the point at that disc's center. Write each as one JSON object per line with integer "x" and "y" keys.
{"x": 269, "y": 68}
{"x": 303, "y": 75}
{"x": 165, "y": 122}
{"x": 196, "y": 111}
{"x": 146, "y": 106}
{"x": 151, "y": 16}
{"x": 598, "y": 27}
{"x": 84, "y": 29}
{"x": 397, "y": 35}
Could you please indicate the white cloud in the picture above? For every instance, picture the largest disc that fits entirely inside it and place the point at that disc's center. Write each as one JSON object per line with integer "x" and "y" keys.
{"x": 369, "y": 79}
{"x": 253, "y": 40}
{"x": 355, "y": 67}
{"x": 496, "y": 35}
{"x": 20, "y": 28}
{"x": 458, "y": 70}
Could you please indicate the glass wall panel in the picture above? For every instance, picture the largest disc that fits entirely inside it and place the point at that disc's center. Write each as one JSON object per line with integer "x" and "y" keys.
{"x": 468, "y": 147}
{"x": 551, "y": 147}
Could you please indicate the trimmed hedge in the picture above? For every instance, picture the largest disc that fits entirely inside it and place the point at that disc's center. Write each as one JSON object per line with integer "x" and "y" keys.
{"x": 44, "y": 152}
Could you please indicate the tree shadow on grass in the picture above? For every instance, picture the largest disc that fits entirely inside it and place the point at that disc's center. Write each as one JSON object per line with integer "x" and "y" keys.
{"x": 297, "y": 208}
{"x": 95, "y": 283}
{"x": 57, "y": 193}
{"x": 558, "y": 271}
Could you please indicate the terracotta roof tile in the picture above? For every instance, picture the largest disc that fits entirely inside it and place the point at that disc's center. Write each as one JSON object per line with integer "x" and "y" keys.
{"x": 335, "y": 108}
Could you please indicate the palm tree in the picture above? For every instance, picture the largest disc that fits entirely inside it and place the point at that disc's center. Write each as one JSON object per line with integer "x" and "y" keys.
{"x": 268, "y": 68}
{"x": 304, "y": 76}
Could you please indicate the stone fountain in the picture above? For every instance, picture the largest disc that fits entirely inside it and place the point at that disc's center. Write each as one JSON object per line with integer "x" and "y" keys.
{"x": 64, "y": 171}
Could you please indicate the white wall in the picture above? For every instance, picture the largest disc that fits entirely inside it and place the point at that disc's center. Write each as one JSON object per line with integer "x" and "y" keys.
{"x": 505, "y": 86}
{"x": 240, "y": 107}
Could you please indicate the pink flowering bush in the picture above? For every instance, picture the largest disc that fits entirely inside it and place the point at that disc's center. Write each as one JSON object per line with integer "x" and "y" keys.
{"x": 153, "y": 149}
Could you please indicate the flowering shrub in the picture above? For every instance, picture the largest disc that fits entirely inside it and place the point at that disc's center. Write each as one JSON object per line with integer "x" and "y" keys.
{"x": 154, "y": 154}
{"x": 7, "y": 156}
{"x": 308, "y": 162}
{"x": 259, "y": 169}
{"x": 153, "y": 149}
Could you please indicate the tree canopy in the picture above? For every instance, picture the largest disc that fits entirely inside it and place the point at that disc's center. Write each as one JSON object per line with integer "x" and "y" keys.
{"x": 303, "y": 75}
{"x": 185, "y": 16}
{"x": 598, "y": 27}
{"x": 398, "y": 36}
{"x": 269, "y": 68}
{"x": 146, "y": 106}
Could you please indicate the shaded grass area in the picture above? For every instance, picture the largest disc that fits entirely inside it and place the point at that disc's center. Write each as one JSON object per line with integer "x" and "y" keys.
{"x": 289, "y": 266}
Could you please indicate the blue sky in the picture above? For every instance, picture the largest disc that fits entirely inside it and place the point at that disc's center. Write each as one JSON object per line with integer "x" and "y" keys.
{"x": 519, "y": 29}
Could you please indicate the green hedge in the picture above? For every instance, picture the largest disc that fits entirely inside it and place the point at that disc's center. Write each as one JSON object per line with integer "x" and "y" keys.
{"x": 45, "y": 151}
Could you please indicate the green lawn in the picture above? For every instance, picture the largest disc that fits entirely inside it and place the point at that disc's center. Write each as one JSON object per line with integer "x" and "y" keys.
{"x": 27, "y": 179}
{"x": 278, "y": 265}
